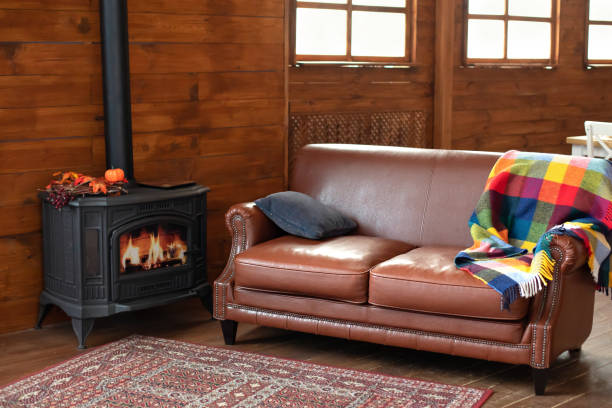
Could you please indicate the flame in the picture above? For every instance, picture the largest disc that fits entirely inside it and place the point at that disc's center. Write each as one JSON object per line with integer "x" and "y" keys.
{"x": 177, "y": 249}
{"x": 156, "y": 253}
{"x": 152, "y": 250}
{"x": 131, "y": 254}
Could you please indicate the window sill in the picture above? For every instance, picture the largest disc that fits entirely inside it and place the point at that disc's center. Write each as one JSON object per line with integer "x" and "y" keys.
{"x": 597, "y": 66}
{"x": 487, "y": 65}
{"x": 353, "y": 64}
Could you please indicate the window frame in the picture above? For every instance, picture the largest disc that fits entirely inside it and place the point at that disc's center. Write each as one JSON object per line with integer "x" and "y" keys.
{"x": 514, "y": 62}
{"x": 588, "y": 63}
{"x": 410, "y": 11}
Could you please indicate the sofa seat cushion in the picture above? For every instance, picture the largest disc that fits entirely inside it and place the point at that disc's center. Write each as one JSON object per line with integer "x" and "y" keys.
{"x": 426, "y": 280}
{"x": 334, "y": 268}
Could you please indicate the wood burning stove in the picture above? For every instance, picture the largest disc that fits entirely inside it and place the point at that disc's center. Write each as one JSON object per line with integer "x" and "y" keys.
{"x": 88, "y": 273}
{"x": 106, "y": 255}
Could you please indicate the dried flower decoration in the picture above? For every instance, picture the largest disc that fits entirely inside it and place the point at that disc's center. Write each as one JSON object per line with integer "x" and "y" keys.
{"x": 69, "y": 185}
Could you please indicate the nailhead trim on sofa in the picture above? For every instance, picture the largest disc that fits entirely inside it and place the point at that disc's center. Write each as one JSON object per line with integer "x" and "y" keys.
{"x": 227, "y": 275}
{"x": 554, "y": 302}
{"x": 374, "y": 326}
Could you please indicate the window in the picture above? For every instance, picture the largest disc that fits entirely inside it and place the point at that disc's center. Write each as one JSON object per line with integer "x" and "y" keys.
{"x": 354, "y": 31}
{"x": 599, "y": 33}
{"x": 511, "y": 32}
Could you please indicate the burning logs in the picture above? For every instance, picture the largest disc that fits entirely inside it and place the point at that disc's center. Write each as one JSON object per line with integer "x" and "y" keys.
{"x": 145, "y": 250}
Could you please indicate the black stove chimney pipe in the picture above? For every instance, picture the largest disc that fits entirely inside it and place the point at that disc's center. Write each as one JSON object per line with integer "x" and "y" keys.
{"x": 116, "y": 76}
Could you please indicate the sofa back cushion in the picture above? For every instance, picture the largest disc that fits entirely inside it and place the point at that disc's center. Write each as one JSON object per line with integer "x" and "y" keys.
{"x": 419, "y": 196}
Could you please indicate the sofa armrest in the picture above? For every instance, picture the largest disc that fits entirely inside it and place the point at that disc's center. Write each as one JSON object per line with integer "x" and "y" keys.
{"x": 248, "y": 226}
{"x": 570, "y": 252}
{"x": 561, "y": 316}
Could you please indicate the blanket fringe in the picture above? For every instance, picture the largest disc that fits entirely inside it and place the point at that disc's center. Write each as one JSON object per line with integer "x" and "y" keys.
{"x": 509, "y": 296}
{"x": 543, "y": 265}
{"x": 531, "y": 287}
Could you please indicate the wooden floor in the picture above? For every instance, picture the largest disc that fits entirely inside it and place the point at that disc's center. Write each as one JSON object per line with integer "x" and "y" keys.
{"x": 585, "y": 381}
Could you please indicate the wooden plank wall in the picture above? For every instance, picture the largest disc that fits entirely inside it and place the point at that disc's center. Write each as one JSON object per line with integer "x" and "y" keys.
{"x": 208, "y": 105}
{"x": 321, "y": 89}
{"x": 49, "y": 61}
{"x": 530, "y": 109}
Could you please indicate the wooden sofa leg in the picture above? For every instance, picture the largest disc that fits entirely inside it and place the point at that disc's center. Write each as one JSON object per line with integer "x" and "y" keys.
{"x": 229, "y": 328}
{"x": 540, "y": 378}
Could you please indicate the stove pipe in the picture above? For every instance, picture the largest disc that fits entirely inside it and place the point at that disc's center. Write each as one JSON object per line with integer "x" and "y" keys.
{"x": 116, "y": 77}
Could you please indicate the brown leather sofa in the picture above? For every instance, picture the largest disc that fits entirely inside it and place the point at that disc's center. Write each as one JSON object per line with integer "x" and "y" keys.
{"x": 393, "y": 281}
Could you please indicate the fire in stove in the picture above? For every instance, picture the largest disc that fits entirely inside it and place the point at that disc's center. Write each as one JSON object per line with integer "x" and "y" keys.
{"x": 152, "y": 247}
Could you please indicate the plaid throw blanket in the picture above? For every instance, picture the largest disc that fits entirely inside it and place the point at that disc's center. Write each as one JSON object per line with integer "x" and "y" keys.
{"x": 529, "y": 198}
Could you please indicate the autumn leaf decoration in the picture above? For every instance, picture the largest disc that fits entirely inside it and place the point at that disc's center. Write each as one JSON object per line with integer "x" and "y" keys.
{"x": 98, "y": 186}
{"x": 66, "y": 186}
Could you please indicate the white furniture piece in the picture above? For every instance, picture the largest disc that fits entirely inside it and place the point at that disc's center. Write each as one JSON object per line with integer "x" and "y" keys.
{"x": 597, "y": 142}
{"x": 596, "y": 133}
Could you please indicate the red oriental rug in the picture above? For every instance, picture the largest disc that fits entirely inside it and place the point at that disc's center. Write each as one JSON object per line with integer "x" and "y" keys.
{"x": 150, "y": 372}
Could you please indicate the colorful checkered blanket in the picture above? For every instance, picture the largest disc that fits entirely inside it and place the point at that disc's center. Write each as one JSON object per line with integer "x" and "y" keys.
{"x": 529, "y": 198}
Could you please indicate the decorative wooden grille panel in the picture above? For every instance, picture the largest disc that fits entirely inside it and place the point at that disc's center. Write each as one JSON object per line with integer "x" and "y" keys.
{"x": 373, "y": 128}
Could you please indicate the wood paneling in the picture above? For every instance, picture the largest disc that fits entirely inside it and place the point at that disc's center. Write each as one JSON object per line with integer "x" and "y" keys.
{"x": 39, "y": 91}
{"x": 46, "y": 58}
{"x": 208, "y": 105}
{"x": 443, "y": 63}
{"x": 49, "y": 25}
{"x": 182, "y": 28}
{"x": 155, "y": 88}
{"x": 20, "y": 219}
{"x": 163, "y": 58}
{"x": 530, "y": 109}
{"x": 21, "y": 156}
{"x": 239, "y": 140}
{"x": 241, "y": 85}
{"x": 259, "y": 8}
{"x": 329, "y": 89}
{"x": 51, "y": 122}
{"x": 47, "y": 4}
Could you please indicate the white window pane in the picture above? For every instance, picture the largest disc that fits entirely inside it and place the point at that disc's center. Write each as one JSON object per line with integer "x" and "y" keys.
{"x": 600, "y": 42}
{"x": 491, "y": 7}
{"x": 320, "y": 32}
{"x": 485, "y": 39}
{"x": 325, "y": 1}
{"x": 381, "y": 3}
{"x": 601, "y": 10}
{"x": 377, "y": 34}
{"x": 530, "y": 8}
{"x": 528, "y": 40}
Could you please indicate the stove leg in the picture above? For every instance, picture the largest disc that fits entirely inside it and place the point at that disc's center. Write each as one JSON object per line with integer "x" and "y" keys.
{"x": 43, "y": 310}
{"x": 82, "y": 328}
{"x": 229, "y": 328}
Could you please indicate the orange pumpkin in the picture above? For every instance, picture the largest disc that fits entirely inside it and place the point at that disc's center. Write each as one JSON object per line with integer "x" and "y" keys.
{"x": 114, "y": 175}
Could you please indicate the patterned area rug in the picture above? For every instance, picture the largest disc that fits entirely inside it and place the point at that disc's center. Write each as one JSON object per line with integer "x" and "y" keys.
{"x": 150, "y": 372}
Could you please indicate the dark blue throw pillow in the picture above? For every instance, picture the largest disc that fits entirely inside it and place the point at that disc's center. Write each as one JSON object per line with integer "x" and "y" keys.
{"x": 301, "y": 215}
